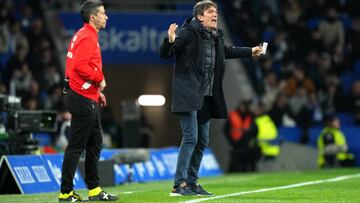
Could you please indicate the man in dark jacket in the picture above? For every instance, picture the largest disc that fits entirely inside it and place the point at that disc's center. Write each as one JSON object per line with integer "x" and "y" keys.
{"x": 197, "y": 92}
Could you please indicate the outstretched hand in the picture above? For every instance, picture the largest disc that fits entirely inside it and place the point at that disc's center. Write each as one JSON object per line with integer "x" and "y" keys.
{"x": 171, "y": 32}
{"x": 256, "y": 51}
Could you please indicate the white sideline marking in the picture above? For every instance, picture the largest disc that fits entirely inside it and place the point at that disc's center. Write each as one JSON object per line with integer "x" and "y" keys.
{"x": 127, "y": 193}
{"x": 340, "y": 178}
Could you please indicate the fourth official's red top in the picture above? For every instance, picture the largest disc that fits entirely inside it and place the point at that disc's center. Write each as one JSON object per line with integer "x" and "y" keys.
{"x": 83, "y": 63}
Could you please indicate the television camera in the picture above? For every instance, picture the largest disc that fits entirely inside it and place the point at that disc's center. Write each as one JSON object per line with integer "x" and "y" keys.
{"x": 21, "y": 124}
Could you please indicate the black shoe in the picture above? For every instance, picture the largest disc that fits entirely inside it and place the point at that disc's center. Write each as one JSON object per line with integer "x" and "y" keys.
{"x": 200, "y": 191}
{"x": 69, "y": 197}
{"x": 182, "y": 191}
{"x": 103, "y": 196}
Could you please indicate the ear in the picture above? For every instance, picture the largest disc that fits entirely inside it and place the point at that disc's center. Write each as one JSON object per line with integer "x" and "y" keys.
{"x": 200, "y": 18}
{"x": 92, "y": 16}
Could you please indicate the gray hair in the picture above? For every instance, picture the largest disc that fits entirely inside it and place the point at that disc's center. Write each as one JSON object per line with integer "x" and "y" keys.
{"x": 88, "y": 8}
{"x": 201, "y": 6}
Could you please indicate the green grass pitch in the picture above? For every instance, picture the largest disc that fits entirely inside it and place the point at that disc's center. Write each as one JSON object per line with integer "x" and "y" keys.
{"x": 241, "y": 187}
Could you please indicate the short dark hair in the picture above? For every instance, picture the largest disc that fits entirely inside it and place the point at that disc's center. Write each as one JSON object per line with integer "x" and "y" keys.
{"x": 88, "y": 8}
{"x": 330, "y": 118}
{"x": 201, "y": 6}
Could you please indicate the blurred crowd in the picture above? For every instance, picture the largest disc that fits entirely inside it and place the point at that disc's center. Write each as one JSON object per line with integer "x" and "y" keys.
{"x": 255, "y": 140}
{"x": 311, "y": 69}
{"x": 28, "y": 65}
{"x": 312, "y": 66}
{"x": 29, "y": 69}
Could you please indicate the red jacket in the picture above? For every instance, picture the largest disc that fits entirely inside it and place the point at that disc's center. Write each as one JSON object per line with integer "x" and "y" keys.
{"x": 238, "y": 124}
{"x": 83, "y": 63}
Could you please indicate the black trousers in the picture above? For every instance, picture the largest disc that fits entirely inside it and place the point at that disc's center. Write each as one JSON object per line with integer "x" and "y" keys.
{"x": 85, "y": 134}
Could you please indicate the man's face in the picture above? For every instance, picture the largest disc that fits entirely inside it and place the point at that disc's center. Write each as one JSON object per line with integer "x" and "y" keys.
{"x": 100, "y": 18}
{"x": 336, "y": 123}
{"x": 209, "y": 18}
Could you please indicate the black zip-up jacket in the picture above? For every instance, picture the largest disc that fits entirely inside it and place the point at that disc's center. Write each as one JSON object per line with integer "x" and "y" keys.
{"x": 189, "y": 72}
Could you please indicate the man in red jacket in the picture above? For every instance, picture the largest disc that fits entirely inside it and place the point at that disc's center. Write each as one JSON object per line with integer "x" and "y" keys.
{"x": 84, "y": 96}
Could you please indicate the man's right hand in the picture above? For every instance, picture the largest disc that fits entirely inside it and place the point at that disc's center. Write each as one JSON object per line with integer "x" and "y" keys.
{"x": 171, "y": 32}
{"x": 102, "y": 85}
{"x": 102, "y": 99}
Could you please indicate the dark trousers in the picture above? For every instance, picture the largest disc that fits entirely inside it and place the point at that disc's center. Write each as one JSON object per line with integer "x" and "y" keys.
{"x": 195, "y": 132}
{"x": 85, "y": 134}
{"x": 244, "y": 159}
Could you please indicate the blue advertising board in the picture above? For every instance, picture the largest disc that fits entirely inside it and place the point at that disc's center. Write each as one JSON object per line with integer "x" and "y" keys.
{"x": 42, "y": 173}
{"x": 169, "y": 158}
{"x": 38, "y": 173}
{"x": 162, "y": 171}
{"x": 54, "y": 163}
{"x": 209, "y": 165}
{"x": 160, "y": 166}
{"x": 153, "y": 169}
{"x": 31, "y": 174}
{"x": 121, "y": 172}
{"x": 129, "y": 38}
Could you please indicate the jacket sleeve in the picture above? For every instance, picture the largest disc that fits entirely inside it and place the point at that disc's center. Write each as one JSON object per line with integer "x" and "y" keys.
{"x": 83, "y": 52}
{"x": 168, "y": 49}
{"x": 237, "y": 52}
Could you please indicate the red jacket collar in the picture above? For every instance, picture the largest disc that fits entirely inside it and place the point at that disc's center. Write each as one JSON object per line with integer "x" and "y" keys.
{"x": 90, "y": 28}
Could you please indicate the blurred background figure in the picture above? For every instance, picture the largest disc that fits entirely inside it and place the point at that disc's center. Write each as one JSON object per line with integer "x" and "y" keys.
{"x": 111, "y": 129}
{"x": 243, "y": 145}
{"x": 281, "y": 113}
{"x": 355, "y": 101}
{"x": 61, "y": 139}
{"x": 257, "y": 140}
{"x": 332, "y": 147}
{"x": 266, "y": 132}
{"x": 331, "y": 29}
{"x": 146, "y": 131}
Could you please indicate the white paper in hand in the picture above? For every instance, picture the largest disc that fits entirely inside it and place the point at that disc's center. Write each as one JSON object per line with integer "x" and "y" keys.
{"x": 264, "y": 47}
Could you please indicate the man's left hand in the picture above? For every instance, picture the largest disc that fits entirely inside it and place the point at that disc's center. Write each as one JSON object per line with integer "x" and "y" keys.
{"x": 256, "y": 51}
{"x": 102, "y": 99}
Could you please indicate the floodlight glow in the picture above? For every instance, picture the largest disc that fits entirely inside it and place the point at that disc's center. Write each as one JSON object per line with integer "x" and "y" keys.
{"x": 151, "y": 100}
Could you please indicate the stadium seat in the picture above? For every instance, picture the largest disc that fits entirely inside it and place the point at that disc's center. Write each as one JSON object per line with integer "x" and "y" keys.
{"x": 347, "y": 80}
{"x": 185, "y": 7}
{"x": 346, "y": 21}
{"x": 357, "y": 68}
{"x": 267, "y": 36}
{"x": 313, "y": 23}
{"x": 346, "y": 118}
{"x": 290, "y": 134}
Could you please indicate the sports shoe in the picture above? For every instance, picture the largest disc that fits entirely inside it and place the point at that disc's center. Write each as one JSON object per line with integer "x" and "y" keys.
{"x": 200, "y": 191}
{"x": 69, "y": 197}
{"x": 182, "y": 191}
{"x": 103, "y": 196}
